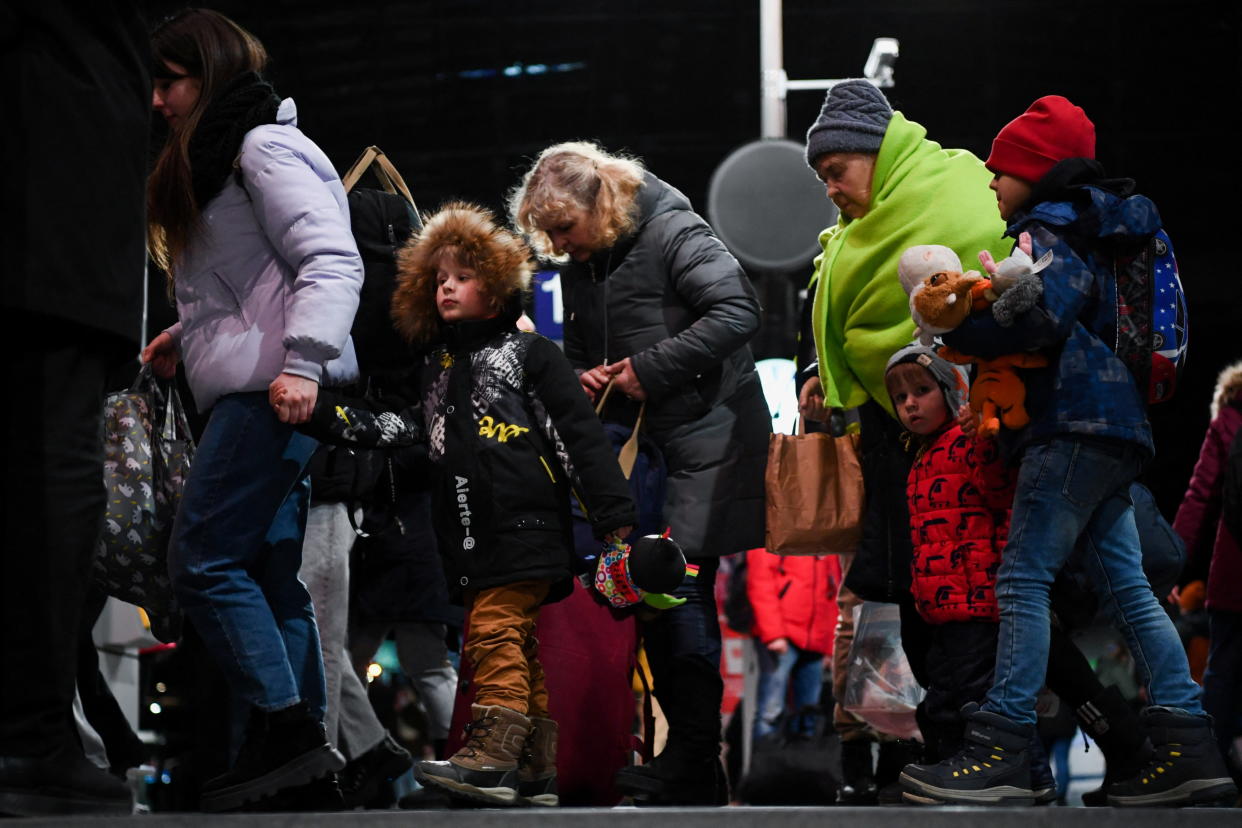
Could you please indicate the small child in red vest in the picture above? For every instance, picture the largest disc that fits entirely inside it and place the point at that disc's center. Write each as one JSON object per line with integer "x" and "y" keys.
{"x": 960, "y": 494}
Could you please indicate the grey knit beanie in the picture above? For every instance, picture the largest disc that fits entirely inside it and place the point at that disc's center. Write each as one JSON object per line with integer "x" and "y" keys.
{"x": 951, "y": 378}
{"x": 853, "y": 119}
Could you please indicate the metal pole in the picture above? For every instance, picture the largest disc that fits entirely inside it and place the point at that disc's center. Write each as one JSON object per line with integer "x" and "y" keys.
{"x": 772, "y": 70}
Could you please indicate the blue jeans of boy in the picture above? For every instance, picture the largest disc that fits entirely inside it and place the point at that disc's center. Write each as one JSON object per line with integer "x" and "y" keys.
{"x": 1070, "y": 488}
{"x": 801, "y": 671}
{"x": 235, "y": 552}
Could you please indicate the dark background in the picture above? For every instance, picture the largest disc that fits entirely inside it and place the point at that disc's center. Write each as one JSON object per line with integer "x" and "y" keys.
{"x": 677, "y": 83}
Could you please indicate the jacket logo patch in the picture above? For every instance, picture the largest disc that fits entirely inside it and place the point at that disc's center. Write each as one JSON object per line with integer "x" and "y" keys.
{"x": 463, "y": 510}
{"x": 500, "y": 432}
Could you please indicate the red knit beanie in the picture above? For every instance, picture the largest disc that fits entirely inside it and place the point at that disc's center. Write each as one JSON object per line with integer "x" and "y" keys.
{"x": 1050, "y": 131}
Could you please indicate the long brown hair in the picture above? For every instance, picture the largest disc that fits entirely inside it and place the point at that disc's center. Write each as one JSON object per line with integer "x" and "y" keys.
{"x": 215, "y": 50}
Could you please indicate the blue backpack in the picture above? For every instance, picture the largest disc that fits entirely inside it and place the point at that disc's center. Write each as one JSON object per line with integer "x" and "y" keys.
{"x": 1152, "y": 329}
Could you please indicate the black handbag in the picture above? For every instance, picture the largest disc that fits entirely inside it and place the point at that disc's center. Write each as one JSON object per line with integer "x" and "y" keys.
{"x": 147, "y": 455}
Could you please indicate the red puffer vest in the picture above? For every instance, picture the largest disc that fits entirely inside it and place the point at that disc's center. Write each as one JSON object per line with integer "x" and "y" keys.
{"x": 960, "y": 494}
{"x": 794, "y": 597}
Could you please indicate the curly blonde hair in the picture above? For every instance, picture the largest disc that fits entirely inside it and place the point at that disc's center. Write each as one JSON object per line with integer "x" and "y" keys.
{"x": 1228, "y": 387}
{"x": 577, "y": 175}
{"x": 470, "y": 233}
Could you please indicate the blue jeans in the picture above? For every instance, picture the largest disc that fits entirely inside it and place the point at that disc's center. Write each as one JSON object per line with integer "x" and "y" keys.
{"x": 1074, "y": 488}
{"x": 235, "y": 552}
{"x": 802, "y": 669}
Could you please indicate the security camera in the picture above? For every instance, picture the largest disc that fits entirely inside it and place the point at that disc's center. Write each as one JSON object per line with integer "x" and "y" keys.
{"x": 881, "y": 61}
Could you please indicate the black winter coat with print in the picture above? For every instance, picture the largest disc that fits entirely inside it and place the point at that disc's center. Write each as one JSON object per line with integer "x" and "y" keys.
{"x": 511, "y": 437}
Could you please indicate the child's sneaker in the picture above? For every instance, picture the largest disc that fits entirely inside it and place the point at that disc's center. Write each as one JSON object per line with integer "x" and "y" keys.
{"x": 993, "y": 768}
{"x": 537, "y": 771}
{"x": 1186, "y": 768}
{"x": 486, "y": 768}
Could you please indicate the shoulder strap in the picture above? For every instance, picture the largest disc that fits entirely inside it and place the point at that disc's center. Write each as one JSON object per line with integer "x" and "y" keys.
{"x": 628, "y": 453}
{"x": 389, "y": 178}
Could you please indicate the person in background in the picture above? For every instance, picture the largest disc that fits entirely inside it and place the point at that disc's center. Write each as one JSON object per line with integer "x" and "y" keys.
{"x": 373, "y": 757}
{"x": 1205, "y": 523}
{"x": 76, "y": 101}
{"x": 249, "y": 219}
{"x": 795, "y": 607}
{"x": 657, "y": 307}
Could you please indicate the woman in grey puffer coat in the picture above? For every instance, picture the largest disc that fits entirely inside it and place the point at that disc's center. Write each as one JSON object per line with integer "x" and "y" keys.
{"x": 655, "y": 304}
{"x": 251, "y": 222}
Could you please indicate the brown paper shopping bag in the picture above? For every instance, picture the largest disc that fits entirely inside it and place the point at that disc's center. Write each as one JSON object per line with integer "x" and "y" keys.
{"x": 814, "y": 494}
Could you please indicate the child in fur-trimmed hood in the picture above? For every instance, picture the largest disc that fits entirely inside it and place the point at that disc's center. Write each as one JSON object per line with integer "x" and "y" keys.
{"x": 509, "y": 433}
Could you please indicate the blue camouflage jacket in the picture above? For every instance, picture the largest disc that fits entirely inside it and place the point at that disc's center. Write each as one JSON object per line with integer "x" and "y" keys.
{"x": 1085, "y": 389}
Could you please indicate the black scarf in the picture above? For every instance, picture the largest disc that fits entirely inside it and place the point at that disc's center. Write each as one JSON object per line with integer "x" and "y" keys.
{"x": 247, "y": 102}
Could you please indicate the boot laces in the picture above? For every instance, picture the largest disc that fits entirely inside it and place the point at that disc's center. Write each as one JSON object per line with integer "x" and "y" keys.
{"x": 1160, "y": 763}
{"x": 477, "y": 733}
{"x": 976, "y": 757}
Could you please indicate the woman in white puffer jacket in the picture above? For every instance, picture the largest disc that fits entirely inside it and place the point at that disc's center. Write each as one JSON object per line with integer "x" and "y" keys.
{"x": 251, "y": 222}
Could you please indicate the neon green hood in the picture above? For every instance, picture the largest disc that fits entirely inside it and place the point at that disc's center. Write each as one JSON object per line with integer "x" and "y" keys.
{"x": 920, "y": 194}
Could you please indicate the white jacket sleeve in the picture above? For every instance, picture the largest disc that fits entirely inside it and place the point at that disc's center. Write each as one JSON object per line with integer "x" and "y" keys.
{"x": 307, "y": 223}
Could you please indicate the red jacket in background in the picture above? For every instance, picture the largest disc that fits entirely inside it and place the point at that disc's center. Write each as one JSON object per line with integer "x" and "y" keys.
{"x": 794, "y": 597}
{"x": 1199, "y": 520}
{"x": 960, "y": 494}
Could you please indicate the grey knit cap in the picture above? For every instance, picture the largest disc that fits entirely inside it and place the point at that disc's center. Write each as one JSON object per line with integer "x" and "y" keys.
{"x": 854, "y": 118}
{"x": 951, "y": 378}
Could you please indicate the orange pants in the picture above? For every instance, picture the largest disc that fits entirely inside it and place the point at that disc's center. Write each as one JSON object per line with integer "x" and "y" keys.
{"x": 501, "y": 644}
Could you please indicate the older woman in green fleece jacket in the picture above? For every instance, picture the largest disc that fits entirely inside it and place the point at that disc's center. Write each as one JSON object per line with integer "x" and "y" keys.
{"x": 894, "y": 189}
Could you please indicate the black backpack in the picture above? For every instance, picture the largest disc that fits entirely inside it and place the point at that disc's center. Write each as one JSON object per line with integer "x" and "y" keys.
{"x": 381, "y": 220}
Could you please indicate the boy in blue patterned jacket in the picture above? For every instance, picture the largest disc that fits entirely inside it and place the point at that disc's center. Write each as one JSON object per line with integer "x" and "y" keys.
{"x": 1087, "y": 440}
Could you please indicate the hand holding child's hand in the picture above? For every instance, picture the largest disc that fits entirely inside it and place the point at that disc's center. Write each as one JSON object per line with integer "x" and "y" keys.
{"x": 594, "y": 380}
{"x": 293, "y": 398}
{"x": 627, "y": 381}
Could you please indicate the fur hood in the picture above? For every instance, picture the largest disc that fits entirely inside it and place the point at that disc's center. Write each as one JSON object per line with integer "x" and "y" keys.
{"x": 1228, "y": 388}
{"x": 500, "y": 258}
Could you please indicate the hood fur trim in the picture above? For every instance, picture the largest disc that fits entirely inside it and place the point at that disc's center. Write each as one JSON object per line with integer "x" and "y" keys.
{"x": 500, "y": 259}
{"x": 1228, "y": 387}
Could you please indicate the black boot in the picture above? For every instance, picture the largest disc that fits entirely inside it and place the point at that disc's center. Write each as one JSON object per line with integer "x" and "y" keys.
{"x": 857, "y": 774}
{"x": 366, "y": 782}
{"x": 680, "y": 775}
{"x": 1186, "y": 767}
{"x": 688, "y": 771}
{"x": 1115, "y": 728}
{"x": 283, "y": 749}
{"x": 994, "y": 767}
{"x": 894, "y": 756}
{"x": 59, "y": 785}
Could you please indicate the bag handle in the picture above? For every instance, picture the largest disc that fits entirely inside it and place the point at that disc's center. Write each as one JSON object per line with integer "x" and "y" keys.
{"x": 389, "y": 178}
{"x": 628, "y": 452}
